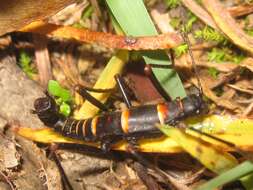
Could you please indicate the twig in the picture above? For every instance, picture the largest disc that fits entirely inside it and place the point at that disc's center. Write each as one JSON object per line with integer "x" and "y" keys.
{"x": 12, "y": 186}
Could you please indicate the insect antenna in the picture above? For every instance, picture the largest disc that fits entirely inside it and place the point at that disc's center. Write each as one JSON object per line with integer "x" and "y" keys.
{"x": 185, "y": 37}
{"x": 234, "y": 147}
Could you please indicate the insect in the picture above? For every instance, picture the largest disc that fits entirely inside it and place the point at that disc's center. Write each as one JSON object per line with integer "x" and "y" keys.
{"x": 130, "y": 125}
{"x": 110, "y": 127}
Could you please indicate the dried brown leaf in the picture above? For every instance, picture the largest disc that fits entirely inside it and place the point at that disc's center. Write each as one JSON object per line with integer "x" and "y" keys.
{"x": 248, "y": 63}
{"x": 199, "y": 12}
{"x": 217, "y": 100}
{"x": 15, "y": 14}
{"x": 163, "y": 41}
{"x": 240, "y": 10}
{"x": 228, "y": 25}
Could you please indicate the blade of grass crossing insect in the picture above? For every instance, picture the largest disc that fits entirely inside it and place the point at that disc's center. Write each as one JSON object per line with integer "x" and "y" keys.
{"x": 237, "y": 172}
{"x": 134, "y": 20}
{"x": 106, "y": 80}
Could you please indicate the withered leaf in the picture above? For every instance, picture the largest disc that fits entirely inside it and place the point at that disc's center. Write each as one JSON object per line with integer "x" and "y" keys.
{"x": 224, "y": 21}
{"x": 15, "y": 14}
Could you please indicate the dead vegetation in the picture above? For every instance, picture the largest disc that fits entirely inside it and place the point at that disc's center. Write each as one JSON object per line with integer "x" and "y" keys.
{"x": 221, "y": 42}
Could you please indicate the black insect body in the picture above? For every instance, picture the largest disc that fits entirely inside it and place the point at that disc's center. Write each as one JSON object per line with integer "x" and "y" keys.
{"x": 110, "y": 127}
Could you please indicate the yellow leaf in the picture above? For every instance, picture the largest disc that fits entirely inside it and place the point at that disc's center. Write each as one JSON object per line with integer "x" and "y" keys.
{"x": 223, "y": 127}
{"x": 238, "y": 131}
{"x": 209, "y": 155}
{"x": 47, "y": 135}
{"x": 15, "y": 14}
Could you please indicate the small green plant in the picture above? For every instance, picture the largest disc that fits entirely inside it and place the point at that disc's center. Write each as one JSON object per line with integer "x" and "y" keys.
{"x": 216, "y": 55}
{"x": 175, "y": 22}
{"x": 63, "y": 97}
{"x": 25, "y": 63}
{"x": 209, "y": 34}
{"x": 172, "y": 3}
{"x": 191, "y": 19}
{"x": 220, "y": 55}
{"x": 180, "y": 50}
{"x": 87, "y": 12}
{"x": 249, "y": 31}
{"x": 213, "y": 72}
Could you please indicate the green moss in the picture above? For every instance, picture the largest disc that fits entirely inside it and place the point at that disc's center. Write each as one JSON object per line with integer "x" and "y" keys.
{"x": 191, "y": 19}
{"x": 172, "y": 3}
{"x": 213, "y": 72}
{"x": 180, "y": 50}
{"x": 216, "y": 55}
{"x": 25, "y": 62}
{"x": 175, "y": 23}
{"x": 209, "y": 34}
{"x": 220, "y": 55}
{"x": 87, "y": 12}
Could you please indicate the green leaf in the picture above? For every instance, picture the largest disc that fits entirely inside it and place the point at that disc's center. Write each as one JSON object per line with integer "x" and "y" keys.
{"x": 214, "y": 159}
{"x": 134, "y": 20}
{"x": 65, "y": 109}
{"x": 235, "y": 173}
{"x": 55, "y": 89}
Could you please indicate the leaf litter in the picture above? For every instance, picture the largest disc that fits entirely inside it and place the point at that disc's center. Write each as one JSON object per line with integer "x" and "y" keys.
{"x": 229, "y": 89}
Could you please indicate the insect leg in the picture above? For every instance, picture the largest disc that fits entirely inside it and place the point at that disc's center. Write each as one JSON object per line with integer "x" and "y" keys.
{"x": 121, "y": 84}
{"x": 98, "y": 90}
{"x": 106, "y": 143}
{"x": 83, "y": 92}
{"x": 55, "y": 157}
{"x": 148, "y": 72}
{"x": 149, "y": 164}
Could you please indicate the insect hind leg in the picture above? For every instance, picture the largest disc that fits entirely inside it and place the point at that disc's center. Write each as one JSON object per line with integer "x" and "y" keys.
{"x": 83, "y": 92}
{"x": 122, "y": 87}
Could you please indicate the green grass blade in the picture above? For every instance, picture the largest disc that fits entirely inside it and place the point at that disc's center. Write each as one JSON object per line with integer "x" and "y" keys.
{"x": 134, "y": 20}
{"x": 237, "y": 172}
